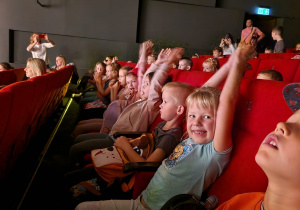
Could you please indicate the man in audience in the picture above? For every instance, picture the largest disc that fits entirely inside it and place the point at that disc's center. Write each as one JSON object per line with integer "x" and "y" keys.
{"x": 250, "y": 32}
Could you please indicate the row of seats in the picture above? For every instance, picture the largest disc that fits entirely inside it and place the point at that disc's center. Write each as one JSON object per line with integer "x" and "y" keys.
{"x": 260, "y": 107}
{"x": 24, "y": 107}
{"x": 11, "y": 76}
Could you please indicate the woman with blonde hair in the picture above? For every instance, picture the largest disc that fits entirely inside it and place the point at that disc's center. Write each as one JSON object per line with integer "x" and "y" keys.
{"x": 38, "y": 49}
{"x": 35, "y": 67}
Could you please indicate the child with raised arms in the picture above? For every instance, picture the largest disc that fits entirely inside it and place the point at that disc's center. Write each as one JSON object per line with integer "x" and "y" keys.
{"x": 197, "y": 161}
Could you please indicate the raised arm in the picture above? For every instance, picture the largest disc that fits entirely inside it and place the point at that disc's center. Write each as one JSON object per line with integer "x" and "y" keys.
{"x": 145, "y": 50}
{"x": 48, "y": 40}
{"x": 229, "y": 96}
{"x": 31, "y": 45}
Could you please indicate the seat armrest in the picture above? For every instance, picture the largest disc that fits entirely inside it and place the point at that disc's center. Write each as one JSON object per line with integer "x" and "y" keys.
{"x": 127, "y": 134}
{"x": 140, "y": 166}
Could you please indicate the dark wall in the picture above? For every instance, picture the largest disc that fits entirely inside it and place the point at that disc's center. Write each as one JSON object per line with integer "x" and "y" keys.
{"x": 85, "y": 31}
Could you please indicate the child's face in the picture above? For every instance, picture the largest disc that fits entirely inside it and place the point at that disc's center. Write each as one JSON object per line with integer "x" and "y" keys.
{"x": 273, "y": 35}
{"x": 268, "y": 51}
{"x": 200, "y": 124}
{"x": 168, "y": 108}
{"x": 100, "y": 69}
{"x": 278, "y": 155}
{"x": 216, "y": 54}
{"x": 145, "y": 88}
{"x": 207, "y": 67}
{"x": 110, "y": 74}
{"x": 150, "y": 60}
{"x": 183, "y": 65}
{"x": 132, "y": 83}
{"x": 1, "y": 68}
{"x": 264, "y": 76}
{"x": 298, "y": 47}
{"x": 122, "y": 77}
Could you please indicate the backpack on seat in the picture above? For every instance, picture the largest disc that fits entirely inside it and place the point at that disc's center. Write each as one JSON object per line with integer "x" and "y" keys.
{"x": 108, "y": 162}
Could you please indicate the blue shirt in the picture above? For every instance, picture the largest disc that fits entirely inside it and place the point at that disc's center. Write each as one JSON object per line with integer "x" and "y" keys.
{"x": 191, "y": 168}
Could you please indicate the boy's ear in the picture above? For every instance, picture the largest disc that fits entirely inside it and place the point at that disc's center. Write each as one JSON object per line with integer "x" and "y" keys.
{"x": 189, "y": 67}
{"x": 180, "y": 109}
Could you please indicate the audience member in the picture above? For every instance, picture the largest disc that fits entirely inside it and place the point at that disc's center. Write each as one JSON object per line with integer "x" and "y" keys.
{"x": 138, "y": 116}
{"x": 250, "y": 32}
{"x": 108, "y": 60}
{"x": 297, "y": 47}
{"x": 211, "y": 65}
{"x": 268, "y": 50}
{"x": 61, "y": 62}
{"x": 227, "y": 44}
{"x": 35, "y": 67}
{"x": 165, "y": 136}
{"x": 218, "y": 52}
{"x": 38, "y": 49}
{"x": 205, "y": 153}
{"x": 151, "y": 58}
{"x": 277, "y": 33}
{"x": 278, "y": 156}
{"x": 5, "y": 66}
{"x": 270, "y": 75}
{"x": 185, "y": 63}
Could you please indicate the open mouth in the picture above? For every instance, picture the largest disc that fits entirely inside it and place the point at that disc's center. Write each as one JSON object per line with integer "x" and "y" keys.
{"x": 271, "y": 141}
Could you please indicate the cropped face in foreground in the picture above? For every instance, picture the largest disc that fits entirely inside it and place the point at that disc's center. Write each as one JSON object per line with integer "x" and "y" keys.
{"x": 279, "y": 153}
{"x": 200, "y": 124}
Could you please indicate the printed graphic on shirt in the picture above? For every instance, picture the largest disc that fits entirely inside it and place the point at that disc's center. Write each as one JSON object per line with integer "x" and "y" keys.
{"x": 181, "y": 150}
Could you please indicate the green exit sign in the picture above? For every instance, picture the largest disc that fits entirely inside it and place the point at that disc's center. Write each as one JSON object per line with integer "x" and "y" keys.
{"x": 263, "y": 11}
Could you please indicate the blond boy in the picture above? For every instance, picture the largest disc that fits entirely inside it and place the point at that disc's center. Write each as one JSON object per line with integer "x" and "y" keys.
{"x": 169, "y": 132}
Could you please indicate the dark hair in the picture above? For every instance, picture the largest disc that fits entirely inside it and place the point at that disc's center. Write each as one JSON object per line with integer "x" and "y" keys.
{"x": 275, "y": 75}
{"x": 6, "y": 65}
{"x": 190, "y": 62}
{"x": 219, "y": 49}
{"x": 229, "y": 36}
{"x": 278, "y": 30}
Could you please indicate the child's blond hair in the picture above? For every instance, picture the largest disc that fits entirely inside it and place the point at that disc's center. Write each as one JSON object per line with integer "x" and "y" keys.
{"x": 206, "y": 97}
{"x": 214, "y": 62}
{"x": 181, "y": 91}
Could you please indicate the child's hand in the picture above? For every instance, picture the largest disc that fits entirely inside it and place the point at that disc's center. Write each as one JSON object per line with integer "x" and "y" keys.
{"x": 146, "y": 48}
{"x": 163, "y": 56}
{"x": 122, "y": 143}
{"x": 175, "y": 55}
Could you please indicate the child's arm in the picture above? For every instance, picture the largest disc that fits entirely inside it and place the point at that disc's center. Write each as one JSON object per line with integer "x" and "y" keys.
{"x": 145, "y": 50}
{"x": 228, "y": 99}
{"x": 114, "y": 89}
{"x": 122, "y": 142}
{"x": 100, "y": 85}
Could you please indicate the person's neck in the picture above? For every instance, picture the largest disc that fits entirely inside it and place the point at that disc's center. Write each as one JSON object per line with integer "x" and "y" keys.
{"x": 173, "y": 124}
{"x": 281, "y": 197}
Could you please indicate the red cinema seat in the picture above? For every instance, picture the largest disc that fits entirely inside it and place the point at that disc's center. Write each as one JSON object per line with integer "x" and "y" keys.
{"x": 258, "y": 112}
{"x": 287, "y": 68}
{"x": 282, "y": 55}
{"x": 17, "y": 124}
